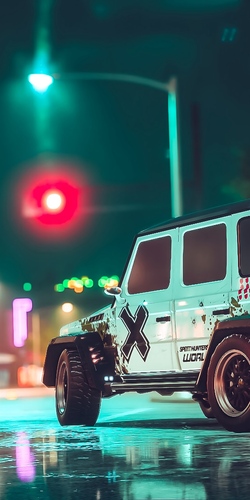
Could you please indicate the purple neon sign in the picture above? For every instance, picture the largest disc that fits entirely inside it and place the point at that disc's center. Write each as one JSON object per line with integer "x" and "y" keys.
{"x": 20, "y": 309}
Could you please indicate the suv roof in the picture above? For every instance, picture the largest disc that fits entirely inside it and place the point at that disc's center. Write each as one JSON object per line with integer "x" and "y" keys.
{"x": 211, "y": 213}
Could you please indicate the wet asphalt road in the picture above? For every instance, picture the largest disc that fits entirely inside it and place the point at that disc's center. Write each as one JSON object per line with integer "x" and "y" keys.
{"x": 140, "y": 449}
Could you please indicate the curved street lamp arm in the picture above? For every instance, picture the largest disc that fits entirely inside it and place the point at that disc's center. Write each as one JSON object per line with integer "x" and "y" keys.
{"x": 122, "y": 77}
{"x": 174, "y": 142}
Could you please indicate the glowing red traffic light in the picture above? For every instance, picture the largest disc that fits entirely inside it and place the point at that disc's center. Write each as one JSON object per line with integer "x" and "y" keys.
{"x": 53, "y": 201}
{"x": 56, "y": 202}
{"x": 53, "y": 198}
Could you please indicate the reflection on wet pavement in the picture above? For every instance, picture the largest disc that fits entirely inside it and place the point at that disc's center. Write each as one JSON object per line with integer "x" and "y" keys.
{"x": 128, "y": 461}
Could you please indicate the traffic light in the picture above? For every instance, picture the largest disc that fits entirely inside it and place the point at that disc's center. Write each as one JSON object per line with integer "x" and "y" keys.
{"x": 56, "y": 201}
{"x": 52, "y": 199}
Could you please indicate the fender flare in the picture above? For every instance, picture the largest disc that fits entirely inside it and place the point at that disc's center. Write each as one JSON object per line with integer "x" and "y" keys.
{"x": 225, "y": 328}
{"x": 85, "y": 344}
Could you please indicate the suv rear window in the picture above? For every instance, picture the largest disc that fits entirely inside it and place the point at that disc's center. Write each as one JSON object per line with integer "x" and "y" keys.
{"x": 151, "y": 267}
{"x": 204, "y": 255}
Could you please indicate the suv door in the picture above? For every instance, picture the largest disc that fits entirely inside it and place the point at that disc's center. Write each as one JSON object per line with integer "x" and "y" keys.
{"x": 145, "y": 311}
{"x": 202, "y": 295}
{"x": 240, "y": 249}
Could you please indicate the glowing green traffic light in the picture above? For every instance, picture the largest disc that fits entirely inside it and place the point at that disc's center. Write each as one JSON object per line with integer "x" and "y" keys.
{"x": 40, "y": 81}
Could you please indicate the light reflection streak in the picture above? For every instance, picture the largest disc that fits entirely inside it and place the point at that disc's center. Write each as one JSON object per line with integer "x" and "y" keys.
{"x": 24, "y": 459}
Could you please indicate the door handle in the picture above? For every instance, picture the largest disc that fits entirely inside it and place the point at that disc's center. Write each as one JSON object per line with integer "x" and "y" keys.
{"x": 162, "y": 319}
{"x": 221, "y": 311}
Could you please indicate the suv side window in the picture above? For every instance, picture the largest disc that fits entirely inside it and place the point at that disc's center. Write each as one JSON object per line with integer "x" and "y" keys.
{"x": 244, "y": 246}
{"x": 205, "y": 255}
{"x": 151, "y": 267}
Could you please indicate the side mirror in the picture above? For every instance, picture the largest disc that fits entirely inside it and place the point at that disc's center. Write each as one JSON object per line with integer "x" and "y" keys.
{"x": 115, "y": 291}
{"x": 112, "y": 290}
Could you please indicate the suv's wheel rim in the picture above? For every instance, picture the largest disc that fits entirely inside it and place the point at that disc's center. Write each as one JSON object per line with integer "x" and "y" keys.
{"x": 232, "y": 383}
{"x": 62, "y": 388}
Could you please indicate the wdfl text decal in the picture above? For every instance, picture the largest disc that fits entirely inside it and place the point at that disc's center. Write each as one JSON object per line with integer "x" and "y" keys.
{"x": 193, "y": 353}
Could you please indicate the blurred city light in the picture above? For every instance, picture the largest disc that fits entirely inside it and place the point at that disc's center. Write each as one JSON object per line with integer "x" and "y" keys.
{"x": 53, "y": 200}
{"x": 27, "y": 287}
{"x": 102, "y": 281}
{"x": 89, "y": 283}
{"x": 78, "y": 285}
{"x": 20, "y": 308}
{"x": 40, "y": 81}
{"x": 67, "y": 307}
{"x": 29, "y": 376}
{"x": 106, "y": 281}
{"x": 52, "y": 194}
{"x": 59, "y": 287}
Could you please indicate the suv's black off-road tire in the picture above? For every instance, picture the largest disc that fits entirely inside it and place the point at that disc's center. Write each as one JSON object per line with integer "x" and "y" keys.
{"x": 206, "y": 410}
{"x": 76, "y": 402}
{"x": 228, "y": 383}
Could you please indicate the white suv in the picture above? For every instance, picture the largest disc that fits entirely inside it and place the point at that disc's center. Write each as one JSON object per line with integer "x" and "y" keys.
{"x": 179, "y": 321}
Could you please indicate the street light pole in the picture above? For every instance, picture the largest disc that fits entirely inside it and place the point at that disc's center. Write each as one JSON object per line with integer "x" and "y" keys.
{"x": 173, "y": 120}
{"x": 174, "y": 149}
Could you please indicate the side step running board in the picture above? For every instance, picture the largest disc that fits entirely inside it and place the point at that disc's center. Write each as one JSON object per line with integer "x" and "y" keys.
{"x": 168, "y": 381}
